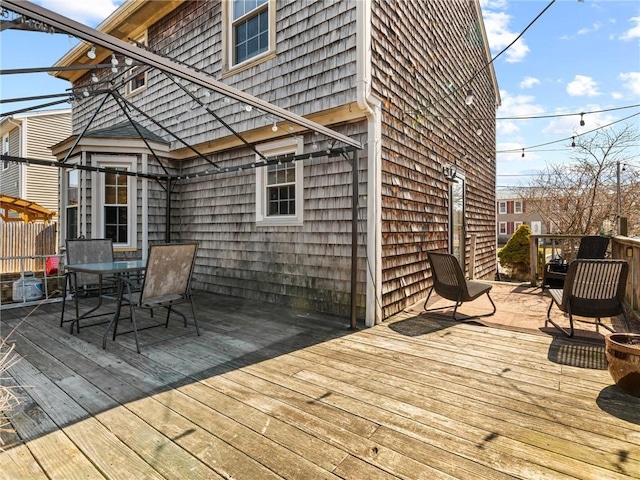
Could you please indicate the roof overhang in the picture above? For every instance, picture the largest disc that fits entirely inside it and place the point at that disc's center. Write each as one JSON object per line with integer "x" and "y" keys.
{"x": 130, "y": 20}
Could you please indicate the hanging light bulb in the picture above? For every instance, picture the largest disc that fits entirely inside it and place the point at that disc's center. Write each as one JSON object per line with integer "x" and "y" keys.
{"x": 582, "y": 119}
{"x": 469, "y": 99}
{"x": 573, "y": 141}
{"x": 128, "y": 61}
{"x": 248, "y": 108}
{"x": 114, "y": 60}
{"x": 522, "y": 153}
{"x": 114, "y": 69}
{"x": 85, "y": 93}
{"x": 94, "y": 78}
{"x": 92, "y": 53}
{"x": 479, "y": 131}
{"x": 275, "y": 127}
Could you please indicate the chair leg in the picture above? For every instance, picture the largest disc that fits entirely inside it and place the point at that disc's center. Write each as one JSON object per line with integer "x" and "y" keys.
{"x": 475, "y": 316}
{"x": 64, "y": 297}
{"x": 193, "y": 312}
{"x": 563, "y": 330}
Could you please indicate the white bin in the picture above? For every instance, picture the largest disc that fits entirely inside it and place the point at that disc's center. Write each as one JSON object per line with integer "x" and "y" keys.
{"x": 28, "y": 288}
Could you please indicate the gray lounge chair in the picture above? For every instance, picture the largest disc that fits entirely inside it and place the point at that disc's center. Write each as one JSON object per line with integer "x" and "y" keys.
{"x": 449, "y": 282}
{"x": 592, "y": 289}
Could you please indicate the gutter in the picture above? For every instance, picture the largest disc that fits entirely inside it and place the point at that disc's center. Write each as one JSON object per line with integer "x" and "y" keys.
{"x": 372, "y": 107}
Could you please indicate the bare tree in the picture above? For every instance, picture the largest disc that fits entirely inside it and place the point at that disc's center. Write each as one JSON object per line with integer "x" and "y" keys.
{"x": 581, "y": 196}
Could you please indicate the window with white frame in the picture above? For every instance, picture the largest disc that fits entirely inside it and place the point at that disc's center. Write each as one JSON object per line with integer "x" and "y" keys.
{"x": 279, "y": 186}
{"x": 138, "y": 79}
{"x": 516, "y": 225}
{"x": 517, "y": 206}
{"x": 502, "y": 207}
{"x": 116, "y": 208}
{"x": 72, "y": 203}
{"x": 502, "y": 226}
{"x": 5, "y": 150}
{"x": 252, "y": 29}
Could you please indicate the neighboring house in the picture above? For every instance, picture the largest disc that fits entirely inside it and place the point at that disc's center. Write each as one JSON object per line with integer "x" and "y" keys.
{"x": 392, "y": 74}
{"x": 31, "y": 135}
{"x": 512, "y": 212}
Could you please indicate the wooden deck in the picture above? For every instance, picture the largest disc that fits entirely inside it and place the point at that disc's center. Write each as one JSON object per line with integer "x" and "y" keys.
{"x": 267, "y": 392}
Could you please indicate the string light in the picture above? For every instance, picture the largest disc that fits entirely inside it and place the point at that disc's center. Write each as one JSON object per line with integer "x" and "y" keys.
{"x": 522, "y": 153}
{"x": 582, "y": 119}
{"x": 92, "y": 53}
{"x": 573, "y": 141}
{"x": 275, "y": 127}
{"x": 128, "y": 61}
{"x": 114, "y": 60}
{"x": 94, "y": 78}
{"x": 469, "y": 98}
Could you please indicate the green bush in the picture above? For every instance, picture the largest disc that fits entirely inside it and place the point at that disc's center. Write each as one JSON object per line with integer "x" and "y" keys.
{"x": 515, "y": 254}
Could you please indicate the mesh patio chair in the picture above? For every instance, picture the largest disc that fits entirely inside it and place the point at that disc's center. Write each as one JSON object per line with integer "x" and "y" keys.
{"x": 591, "y": 247}
{"x": 79, "y": 251}
{"x": 449, "y": 282}
{"x": 166, "y": 283}
{"x": 592, "y": 289}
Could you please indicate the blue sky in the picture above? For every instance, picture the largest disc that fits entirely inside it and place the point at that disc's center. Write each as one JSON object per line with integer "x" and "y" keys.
{"x": 579, "y": 56}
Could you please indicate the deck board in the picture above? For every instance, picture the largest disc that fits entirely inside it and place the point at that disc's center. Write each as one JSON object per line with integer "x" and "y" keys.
{"x": 270, "y": 392}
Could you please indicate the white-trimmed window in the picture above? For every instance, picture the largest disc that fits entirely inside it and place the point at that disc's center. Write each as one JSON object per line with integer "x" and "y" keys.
{"x": 72, "y": 203}
{"x": 502, "y": 228}
{"x": 251, "y": 31}
{"x": 502, "y": 207}
{"x": 138, "y": 81}
{"x": 5, "y": 150}
{"x": 517, "y": 206}
{"x": 516, "y": 225}
{"x": 116, "y": 208}
{"x": 279, "y": 186}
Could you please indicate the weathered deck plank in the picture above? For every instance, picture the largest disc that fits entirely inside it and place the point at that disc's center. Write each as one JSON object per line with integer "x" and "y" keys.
{"x": 267, "y": 392}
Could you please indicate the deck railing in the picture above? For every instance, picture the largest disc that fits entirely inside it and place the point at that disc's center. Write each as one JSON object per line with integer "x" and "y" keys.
{"x": 52, "y": 279}
{"x": 567, "y": 245}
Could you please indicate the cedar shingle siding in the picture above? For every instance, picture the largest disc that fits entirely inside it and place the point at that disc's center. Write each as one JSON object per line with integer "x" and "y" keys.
{"x": 417, "y": 49}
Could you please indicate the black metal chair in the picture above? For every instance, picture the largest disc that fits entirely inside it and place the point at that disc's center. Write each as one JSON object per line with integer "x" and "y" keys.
{"x": 79, "y": 251}
{"x": 591, "y": 247}
{"x": 592, "y": 289}
{"x": 449, "y": 282}
{"x": 166, "y": 283}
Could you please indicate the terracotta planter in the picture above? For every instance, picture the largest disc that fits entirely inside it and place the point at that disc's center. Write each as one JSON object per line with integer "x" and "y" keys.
{"x": 623, "y": 355}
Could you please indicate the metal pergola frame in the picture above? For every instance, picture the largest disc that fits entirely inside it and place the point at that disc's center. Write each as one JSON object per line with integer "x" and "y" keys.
{"x": 60, "y": 24}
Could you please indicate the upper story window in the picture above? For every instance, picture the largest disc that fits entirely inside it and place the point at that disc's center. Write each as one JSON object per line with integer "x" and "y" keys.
{"x": 138, "y": 80}
{"x": 279, "y": 187}
{"x": 251, "y": 32}
{"x": 502, "y": 207}
{"x": 517, "y": 206}
{"x": 502, "y": 228}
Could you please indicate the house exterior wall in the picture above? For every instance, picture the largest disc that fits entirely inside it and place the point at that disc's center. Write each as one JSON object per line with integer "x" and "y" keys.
{"x": 35, "y": 136}
{"x": 417, "y": 61}
{"x": 11, "y": 176}
{"x": 510, "y": 217}
{"x": 314, "y": 73}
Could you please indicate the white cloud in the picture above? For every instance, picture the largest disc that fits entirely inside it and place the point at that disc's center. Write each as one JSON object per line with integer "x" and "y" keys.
{"x": 581, "y": 86}
{"x": 617, "y": 95}
{"x": 528, "y": 82}
{"x": 594, "y": 27}
{"x": 634, "y": 31}
{"x": 496, "y": 26}
{"x": 515, "y": 106}
{"x": 87, "y": 12}
{"x": 631, "y": 81}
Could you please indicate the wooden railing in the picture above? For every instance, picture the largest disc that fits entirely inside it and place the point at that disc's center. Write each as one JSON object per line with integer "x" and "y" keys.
{"x": 567, "y": 245}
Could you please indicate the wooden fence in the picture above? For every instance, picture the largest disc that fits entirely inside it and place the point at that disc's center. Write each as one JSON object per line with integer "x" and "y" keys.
{"x": 26, "y": 240}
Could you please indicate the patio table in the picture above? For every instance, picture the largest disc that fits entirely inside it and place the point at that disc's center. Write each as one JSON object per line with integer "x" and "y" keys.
{"x": 122, "y": 267}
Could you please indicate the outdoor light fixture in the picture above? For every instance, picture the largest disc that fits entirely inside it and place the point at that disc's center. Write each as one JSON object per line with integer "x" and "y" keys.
{"x": 469, "y": 99}
{"x": 85, "y": 93}
{"x": 114, "y": 60}
{"x": 92, "y": 53}
{"x": 114, "y": 69}
{"x": 573, "y": 141}
{"x": 248, "y": 108}
{"x": 128, "y": 61}
{"x": 275, "y": 127}
{"x": 582, "y": 119}
{"x": 522, "y": 153}
{"x": 94, "y": 78}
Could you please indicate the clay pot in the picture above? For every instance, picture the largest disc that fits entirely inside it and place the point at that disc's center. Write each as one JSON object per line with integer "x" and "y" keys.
{"x": 623, "y": 354}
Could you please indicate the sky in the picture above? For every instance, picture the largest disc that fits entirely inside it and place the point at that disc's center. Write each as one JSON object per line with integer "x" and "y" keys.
{"x": 576, "y": 56}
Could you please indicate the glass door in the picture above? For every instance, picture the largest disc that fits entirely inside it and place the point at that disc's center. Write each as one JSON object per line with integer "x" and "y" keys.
{"x": 456, "y": 218}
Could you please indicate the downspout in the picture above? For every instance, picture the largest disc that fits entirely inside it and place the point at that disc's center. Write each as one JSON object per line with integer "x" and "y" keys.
{"x": 372, "y": 107}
